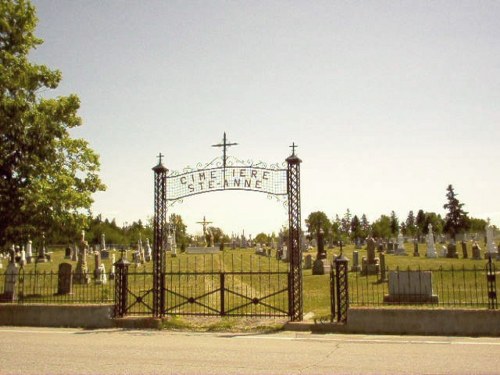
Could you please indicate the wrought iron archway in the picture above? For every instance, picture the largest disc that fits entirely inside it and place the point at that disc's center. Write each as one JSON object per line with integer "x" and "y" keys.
{"x": 229, "y": 174}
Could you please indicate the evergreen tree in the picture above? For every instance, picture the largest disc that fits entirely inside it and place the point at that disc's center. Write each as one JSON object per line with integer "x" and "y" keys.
{"x": 456, "y": 219}
{"x": 410, "y": 224}
{"x": 394, "y": 224}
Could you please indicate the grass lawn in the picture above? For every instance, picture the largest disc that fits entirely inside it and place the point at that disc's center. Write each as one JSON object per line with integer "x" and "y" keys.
{"x": 452, "y": 283}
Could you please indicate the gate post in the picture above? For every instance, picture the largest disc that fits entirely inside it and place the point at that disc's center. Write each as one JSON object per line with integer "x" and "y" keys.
{"x": 342, "y": 287}
{"x": 121, "y": 287}
{"x": 294, "y": 232}
{"x": 159, "y": 227}
{"x": 492, "y": 285}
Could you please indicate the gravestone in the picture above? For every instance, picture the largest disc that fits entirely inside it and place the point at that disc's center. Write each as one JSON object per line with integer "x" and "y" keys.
{"x": 464, "y": 249}
{"x": 308, "y": 262}
{"x": 101, "y": 277}
{"x": 355, "y": 262}
{"x": 81, "y": 275}
{"x": 42, "y": 256}
{"x": 284, "y": 254}
{"x": 383, "y": 276}
{"x": 318, "y": 267}
{"x": 370, "y": 265}
{"x": 321, "y": 245}
{"x": 65, "y": 279}
{"x": 67, "y": 253}
{"x": 22, "y": 260}
{"x": 29, "y": 251}
{"x": 410, "y": 287}
{"x": 112, "y": 271}
{"x": 401, "y": 247}
{"x": 149, "y": 252}
{"x": 452, "y": 250}
{"x": 390, "y": 246}
{"x": 10, "y": 284}
{"x": 415, "y": 248}
{"x": 97, "y": 263}
{"x": 431, "y": 250}
{"x": 74, "y": 254}
{"x": 476, "y": 251}
{"x": 104, "y": 249}
{"x": 491, "y": 247}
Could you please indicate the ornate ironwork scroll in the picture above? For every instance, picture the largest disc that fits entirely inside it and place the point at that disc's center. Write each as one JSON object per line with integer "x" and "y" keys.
{"x": 227, "y": 173}
{"x": 160, "y": 236}
{"x": 295, "y": 285}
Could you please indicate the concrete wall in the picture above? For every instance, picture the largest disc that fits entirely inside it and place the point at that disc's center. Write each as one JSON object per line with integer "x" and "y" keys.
{"x": 417, "y": 322}
{"x": 76, "y": 316}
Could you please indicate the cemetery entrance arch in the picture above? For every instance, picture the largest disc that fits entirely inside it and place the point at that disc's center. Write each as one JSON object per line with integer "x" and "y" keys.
{"x": 227, "y": 173}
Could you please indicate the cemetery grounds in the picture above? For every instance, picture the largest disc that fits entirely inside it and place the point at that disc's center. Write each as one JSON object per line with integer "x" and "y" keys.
{"x": 458, "y": 283}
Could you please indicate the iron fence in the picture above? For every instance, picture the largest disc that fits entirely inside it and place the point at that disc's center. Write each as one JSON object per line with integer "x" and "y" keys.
{"x": 48, "y": 287}
{"x": 441, "y": 287}
{"x": 213, "y": 285}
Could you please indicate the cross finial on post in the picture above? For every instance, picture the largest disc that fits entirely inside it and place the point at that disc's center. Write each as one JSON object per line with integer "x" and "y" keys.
{"x": 293, "y": 146}
{"x": 160, "y": 155}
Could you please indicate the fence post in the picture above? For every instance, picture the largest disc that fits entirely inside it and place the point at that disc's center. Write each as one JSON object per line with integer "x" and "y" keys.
{"x": 342, "y": 290}
{"x": 332, "y": 292}
{"x": 222, "y": 292}
{"x": 492, "y": 288}
{"x": 121, "y": 288}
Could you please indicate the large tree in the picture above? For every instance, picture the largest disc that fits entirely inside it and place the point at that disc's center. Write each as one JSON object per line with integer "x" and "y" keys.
{"x": 46, "y": 177}
{"x": 456, "y": 219}
{"x": 317, "y": 220}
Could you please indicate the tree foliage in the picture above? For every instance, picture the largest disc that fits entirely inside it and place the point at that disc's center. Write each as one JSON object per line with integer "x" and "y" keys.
{"x": 456, "y": 219}
{"x": 46, "y": 177}
{"x": 317, "y": 220}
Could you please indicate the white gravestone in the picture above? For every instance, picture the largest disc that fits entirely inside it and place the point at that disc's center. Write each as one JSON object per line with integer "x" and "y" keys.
{"x": 491, "y": 248}
{"x": 431, "y": 250}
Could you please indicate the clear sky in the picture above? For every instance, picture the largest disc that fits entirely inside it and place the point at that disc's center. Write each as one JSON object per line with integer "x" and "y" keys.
{"x": 389, "y": 101}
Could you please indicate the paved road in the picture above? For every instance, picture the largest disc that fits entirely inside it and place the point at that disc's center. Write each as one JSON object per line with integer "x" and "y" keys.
{"x": 64, "y": 351}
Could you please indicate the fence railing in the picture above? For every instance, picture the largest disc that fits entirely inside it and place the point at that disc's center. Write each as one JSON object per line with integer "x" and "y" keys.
{"x": 55, "y": 287}
{"x": 441, "y": 287}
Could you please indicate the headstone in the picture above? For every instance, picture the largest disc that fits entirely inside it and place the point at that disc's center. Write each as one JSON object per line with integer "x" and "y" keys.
{"x": 74, "y": 254}
{"x": 355, "y": 262}
{"x": 22, "y": 261}
{"x": 29, "y": 251}
{"x": 321, "y": 245}
{"x": 42, "y": 256}
{"x": 401, "y": 247}
{"x": 431, "y": 250}
{"x": 284, "y": 255}
{"x": 112, "y": 271}
{"x": 318, "y": 268}
{"x": 390, "y": 246}
{"x": 410, "y": 286}
{"x": 10, "y": 283}
{"x": 148, "y": 253}
{"x": 415, "y": 248}
{"x": 464, "y": 249}
{"x": 65, "y": 279}
{"x": 476, "y": 251}
{"x": 444, "y": 251}
{"x": 81, "y": 275}
{"x": 67, "y": 253}
{"x": 452, "y": 250}
{"x": 383, "y": 276}
{"x": 101, "y": 277}
{"x": 308, "y": 262}
{"x": 370, "y": 265}
{"x": 97, "y": 262}
{"x": 381, "y": 246}
{"x": 104, "y": 249}
{"x": 491, "y": 247}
